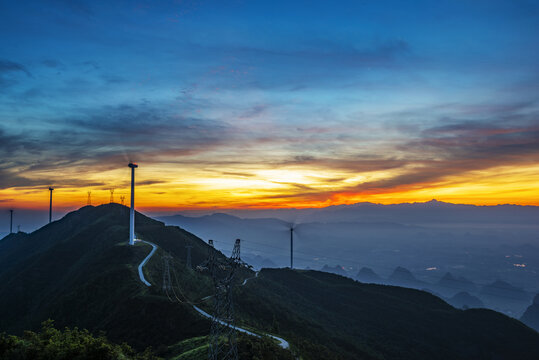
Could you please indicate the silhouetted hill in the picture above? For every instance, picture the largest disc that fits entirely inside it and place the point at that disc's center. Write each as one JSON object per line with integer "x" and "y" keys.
{"x": 449, "y": 284}
{"x": 531, "y": 316}
{"x": 403, "y": 277}
{"x": 259, "y": 262}
{"x": 463, "y": 300}
{"x": 503, "y": 289}
{"x": 369, "y": 321}
{"x": 260, "y": 235}
{"x": 504, "y": 297}
{"x": 405, "y": 213}
{"x": 367, "y": 275}
{"x": 337, "y": 269}
{"x": 80, "y": 271}
{"x": 427, "y": 212}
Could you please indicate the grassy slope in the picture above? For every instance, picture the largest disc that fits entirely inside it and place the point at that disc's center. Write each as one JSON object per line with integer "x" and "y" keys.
{"x": 80, "y": 271}
{"x": 356, "y": 320}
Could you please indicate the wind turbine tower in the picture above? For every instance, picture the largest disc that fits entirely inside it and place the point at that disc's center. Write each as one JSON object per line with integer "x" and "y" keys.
{"x": 291, "y": 246}
{"x": 133, "y": 166}
{"x": 11, "y": 222}
{"x": 50, "y": 205}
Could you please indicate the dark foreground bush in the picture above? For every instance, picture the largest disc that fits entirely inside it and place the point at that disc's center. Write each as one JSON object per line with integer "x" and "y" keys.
{"x": 69, "y": 344}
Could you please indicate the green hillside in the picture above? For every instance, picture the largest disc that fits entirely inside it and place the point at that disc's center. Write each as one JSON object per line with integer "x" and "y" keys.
{"x": 350, "y": 318}
{"x": 81, "y": 272}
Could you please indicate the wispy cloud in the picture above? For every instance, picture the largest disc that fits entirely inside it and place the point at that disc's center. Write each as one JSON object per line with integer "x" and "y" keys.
{"x": 7, "y": 66}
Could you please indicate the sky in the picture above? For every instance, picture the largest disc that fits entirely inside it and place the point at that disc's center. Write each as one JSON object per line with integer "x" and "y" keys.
{"x": 269, "y": 104}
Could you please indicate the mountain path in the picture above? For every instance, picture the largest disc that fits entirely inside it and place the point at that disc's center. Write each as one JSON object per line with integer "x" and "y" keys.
{"x": 282, "y": 342}
{"x": 141, "y": 265}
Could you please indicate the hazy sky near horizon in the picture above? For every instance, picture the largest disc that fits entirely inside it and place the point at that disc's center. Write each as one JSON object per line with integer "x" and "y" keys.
{"x": 269, "y": 103}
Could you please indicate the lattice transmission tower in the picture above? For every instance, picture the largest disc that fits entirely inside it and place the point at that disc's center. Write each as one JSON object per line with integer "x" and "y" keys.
{"x": 223, "y": 271}
{"x": 89, "y": 202}
{"x": 111, "y": 195}
{"x": 167, "y": 280}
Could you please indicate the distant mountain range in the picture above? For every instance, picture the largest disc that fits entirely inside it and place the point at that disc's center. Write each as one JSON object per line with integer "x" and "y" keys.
{"x": 455, "y": 290}
{"x": 483, "y": 243}
{"x": 80, "y": 271}
{"x": 409, "y": 213}
{"x": 404, "y": 213}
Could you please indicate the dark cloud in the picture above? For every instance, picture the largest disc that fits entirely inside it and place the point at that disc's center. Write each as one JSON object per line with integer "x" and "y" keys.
{"x": 14, "y": 177}
{"x": 9, "y": 179}
{"x": 501, "y": 140}
{"x": 149, "y": 182}
{"x": 102, "y": 138}
{"x": 7, "y": 66}
{"x": 240, "y": 174}
{"x": 438, "y": 152}
{"x": 8, "y": 74}
{"x": 149, "y": 130}
{"x": 360, "y": 163}
{"x": 457, "y": 148}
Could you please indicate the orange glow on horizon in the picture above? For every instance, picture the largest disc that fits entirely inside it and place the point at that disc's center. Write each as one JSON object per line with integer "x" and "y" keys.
{"x": 160, "y": 189}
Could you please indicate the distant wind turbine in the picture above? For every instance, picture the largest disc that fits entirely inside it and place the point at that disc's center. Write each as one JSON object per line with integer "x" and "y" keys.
{"x": 291, "y": 246}
{"x": 133, "y": 166}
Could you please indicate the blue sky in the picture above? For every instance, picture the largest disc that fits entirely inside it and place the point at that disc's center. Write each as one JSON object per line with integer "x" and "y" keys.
{"x": 430, "y": 90}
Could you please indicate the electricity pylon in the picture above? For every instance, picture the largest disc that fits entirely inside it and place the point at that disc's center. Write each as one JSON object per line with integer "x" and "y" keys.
{"x": 222, "y": 271}
{"x": 167, "y": 282}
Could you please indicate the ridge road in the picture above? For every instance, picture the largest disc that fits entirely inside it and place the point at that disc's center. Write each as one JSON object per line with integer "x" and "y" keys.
{"x": 282, "y": 342}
